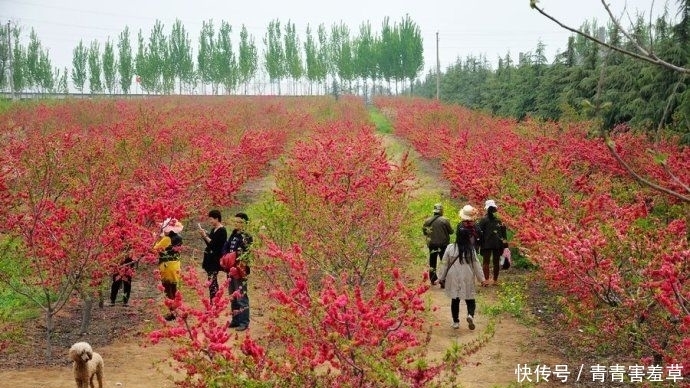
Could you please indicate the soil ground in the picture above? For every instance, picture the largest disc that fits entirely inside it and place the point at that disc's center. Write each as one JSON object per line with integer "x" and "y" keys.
{"x": 117, "y": 332}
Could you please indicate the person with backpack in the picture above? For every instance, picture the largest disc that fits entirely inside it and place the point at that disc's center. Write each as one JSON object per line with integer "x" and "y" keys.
{"x": 437, "y": 231}
{"x": 168, "y": 248}
{"x": 494, "y": 240}
{"x": 461, "y": 269}
{"x": 239, "y": 243}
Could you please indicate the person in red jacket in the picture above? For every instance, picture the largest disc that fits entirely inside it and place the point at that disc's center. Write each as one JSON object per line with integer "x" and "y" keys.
{"x": 239, "y": 243}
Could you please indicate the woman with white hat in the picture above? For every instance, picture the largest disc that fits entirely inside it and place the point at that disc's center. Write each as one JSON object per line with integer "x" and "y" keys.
{"x": 461, "y": 269}
{"x": 168, "y": 248}
{"x": 494, "y": 240}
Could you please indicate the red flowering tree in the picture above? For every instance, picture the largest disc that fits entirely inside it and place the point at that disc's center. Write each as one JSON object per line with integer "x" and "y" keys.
{"x": 341, "y": 311}
{"x": 617, "y": 252}
{"x": 85, "y": 179}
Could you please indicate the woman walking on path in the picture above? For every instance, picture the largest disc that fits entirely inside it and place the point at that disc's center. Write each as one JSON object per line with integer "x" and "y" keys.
{"x": 461, "y": 268}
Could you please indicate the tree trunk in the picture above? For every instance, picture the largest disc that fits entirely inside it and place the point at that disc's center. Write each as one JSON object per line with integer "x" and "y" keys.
{"x": 49, "y": 332}
{"x": 86, "y": 315}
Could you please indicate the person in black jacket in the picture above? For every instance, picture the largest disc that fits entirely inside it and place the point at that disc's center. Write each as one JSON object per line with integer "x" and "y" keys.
{"x": 492, "y": 234}
{"x": 215, "y": 239}
{"x": 239, "y": 242}
{"x": 122, "y": 278}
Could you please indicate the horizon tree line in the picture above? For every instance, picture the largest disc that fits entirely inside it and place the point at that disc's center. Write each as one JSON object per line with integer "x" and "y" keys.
{"x": 333, "y": 60}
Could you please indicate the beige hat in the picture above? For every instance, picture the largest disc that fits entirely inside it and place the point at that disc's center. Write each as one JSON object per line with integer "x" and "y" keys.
{"x": 467, "y": 213}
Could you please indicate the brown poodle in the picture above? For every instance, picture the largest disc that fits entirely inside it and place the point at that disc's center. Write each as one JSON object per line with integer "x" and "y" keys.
{"x": 87, "y": 364}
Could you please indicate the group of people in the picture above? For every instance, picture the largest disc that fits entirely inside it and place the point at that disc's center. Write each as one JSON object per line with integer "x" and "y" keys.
{"x": 217, "y": 246}
{"x": 486, "y": 237}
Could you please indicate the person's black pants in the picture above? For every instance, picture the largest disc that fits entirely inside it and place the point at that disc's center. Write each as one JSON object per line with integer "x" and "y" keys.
{"x": 455, "y": 308}
{"x": 121, "y": 281}
{"x": 435, "y": 255}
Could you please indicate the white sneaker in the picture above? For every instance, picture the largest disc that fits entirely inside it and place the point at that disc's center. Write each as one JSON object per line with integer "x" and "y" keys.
{"x": 470, "y": 322}
{"x": 455, "y": 325}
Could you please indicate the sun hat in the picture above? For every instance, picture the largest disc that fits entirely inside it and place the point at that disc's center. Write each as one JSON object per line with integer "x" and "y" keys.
{"x": 490, "y": 203}
{"x": 467, "y": 213}
{"x": 171, "y": 225}
{"x": 438, "y": 208}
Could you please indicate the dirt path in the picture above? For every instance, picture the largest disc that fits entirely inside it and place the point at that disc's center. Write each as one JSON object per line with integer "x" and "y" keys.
{"x": 512, "y": 343}
{"x": 130, "y": 364}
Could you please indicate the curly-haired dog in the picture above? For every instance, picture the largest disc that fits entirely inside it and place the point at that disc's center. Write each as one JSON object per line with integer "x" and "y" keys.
{"x": 87, "y": 365}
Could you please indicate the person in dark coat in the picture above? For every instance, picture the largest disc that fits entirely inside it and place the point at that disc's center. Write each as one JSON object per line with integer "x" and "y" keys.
{"x": 239, "y": 242}
{"x": 437, "y": 231}
{"x": 494, "y": 240}
{"x": 215, "y": 240}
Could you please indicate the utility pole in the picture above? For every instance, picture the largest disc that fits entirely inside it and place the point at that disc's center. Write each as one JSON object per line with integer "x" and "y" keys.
{"x": 438, "y": 71}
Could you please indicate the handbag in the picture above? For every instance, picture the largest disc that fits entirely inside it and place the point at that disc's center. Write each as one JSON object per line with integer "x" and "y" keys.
{"x": 505, "y": 261}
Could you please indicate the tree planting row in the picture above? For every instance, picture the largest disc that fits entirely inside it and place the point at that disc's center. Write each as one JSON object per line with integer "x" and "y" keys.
{"x": 614, "y": 251}
{"x": 83, "y": 182}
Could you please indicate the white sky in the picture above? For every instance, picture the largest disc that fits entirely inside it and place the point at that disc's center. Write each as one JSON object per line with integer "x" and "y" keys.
{"x": 465, "y": 27}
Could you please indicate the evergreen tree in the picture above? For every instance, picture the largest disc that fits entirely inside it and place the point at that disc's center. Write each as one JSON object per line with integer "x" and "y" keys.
{"x": 205, "y": 56}
{"x": 310, "y": 57}
{"x": 33, "y": 53}
{"x": 323, "y": 58}
{"x": 94, "y": 58}
{"x": 79, "y": 60}
{"x": 224, "y": 62}
{"x": 411, "y": 49}
{"x": 248, "y": 58}
{"x": 109, "y": 66}
{"x": 293, "y": 59}
{"x": 274, "y": 53}
{"x": 5, "y": 57}
{"x": 181, "y": 55}
{"x": 124, "y": 63}
{"x": 366, "y": 55}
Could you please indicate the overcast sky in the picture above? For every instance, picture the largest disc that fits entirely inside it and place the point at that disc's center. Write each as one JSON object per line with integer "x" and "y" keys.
{"x": 465, "y": 27}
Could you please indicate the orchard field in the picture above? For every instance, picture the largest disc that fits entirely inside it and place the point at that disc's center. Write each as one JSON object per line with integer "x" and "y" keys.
{"x": 337, "y": 192}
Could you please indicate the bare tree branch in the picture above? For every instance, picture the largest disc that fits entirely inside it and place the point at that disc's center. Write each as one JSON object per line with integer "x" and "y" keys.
{"x": 611, "y": 145}
{"x": 646, "y": 55}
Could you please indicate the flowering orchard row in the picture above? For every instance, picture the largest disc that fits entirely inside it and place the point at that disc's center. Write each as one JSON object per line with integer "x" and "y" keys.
{"x": 340, "y": 311}
{"x": 615, "y": 250}
{"x": 80, "y": 181}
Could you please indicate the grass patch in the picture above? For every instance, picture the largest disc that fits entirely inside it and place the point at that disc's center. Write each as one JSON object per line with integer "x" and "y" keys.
{"x": 381, "y": 122}
{"x": 512, "y": 299}
{"x": 16, "y": 308}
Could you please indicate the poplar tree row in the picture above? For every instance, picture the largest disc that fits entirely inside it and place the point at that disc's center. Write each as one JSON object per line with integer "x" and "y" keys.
{"x": 167, "y": 63}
